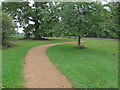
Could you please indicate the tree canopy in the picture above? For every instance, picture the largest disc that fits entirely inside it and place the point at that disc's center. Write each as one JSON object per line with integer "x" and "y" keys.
{"x": 65, "y": 18}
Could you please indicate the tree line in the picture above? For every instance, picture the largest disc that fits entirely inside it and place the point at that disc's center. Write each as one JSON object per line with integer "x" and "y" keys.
{"x": 81, "y": 19}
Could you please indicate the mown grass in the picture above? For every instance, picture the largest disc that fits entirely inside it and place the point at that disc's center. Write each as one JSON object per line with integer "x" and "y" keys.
{"x": 93, "y": 67}
{"x": 13, "y": 61}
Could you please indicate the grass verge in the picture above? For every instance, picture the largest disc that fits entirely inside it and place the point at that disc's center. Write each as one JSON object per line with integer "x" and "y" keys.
{"x": 13, "y": 60}
{"x": 93, "y": 67}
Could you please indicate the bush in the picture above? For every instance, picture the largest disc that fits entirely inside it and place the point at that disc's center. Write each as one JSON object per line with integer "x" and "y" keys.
{"x": 7, "y": 29}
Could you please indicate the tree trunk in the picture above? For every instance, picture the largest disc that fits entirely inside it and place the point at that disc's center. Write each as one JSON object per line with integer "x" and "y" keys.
{"x": 79, "y": 38}
{"x": 37, "y": 33}
{"x": 75, "y": 36}
{"x": 27, "y": 35}
{"x": 69, "y": 36}
{"x": 37, "y": 36}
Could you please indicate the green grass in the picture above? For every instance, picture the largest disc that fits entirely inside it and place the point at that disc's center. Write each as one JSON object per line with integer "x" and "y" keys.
{"x": 98, "y": 54}
{"x": 17, "y": 36}
{"x": 93, "y": 67}
{"x": 13, "y": 61}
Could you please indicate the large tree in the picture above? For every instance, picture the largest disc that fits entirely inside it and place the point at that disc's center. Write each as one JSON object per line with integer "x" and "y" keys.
{"x": 83, "y": 18}
{"x": 78, "y": 18}
{"x": 41, "y": 14}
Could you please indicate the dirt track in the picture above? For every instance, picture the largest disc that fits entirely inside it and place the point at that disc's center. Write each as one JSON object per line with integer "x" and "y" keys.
{"x": 39, "y": 72}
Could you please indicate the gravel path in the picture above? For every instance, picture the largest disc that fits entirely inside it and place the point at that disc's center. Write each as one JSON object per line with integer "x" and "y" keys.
{"x": 39, "y": 72}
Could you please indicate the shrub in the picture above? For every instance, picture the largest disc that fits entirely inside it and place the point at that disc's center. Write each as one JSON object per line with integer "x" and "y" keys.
{"x": 8, "y": 29}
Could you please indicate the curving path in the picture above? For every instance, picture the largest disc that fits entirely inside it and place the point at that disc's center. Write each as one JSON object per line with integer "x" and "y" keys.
{"x": 39, "y": 72}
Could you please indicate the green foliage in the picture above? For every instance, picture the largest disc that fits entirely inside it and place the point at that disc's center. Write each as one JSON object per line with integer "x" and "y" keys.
{"x": 40, "y": 13}
{"x": 7, "y": 29}
{"x": 92, "y": 18}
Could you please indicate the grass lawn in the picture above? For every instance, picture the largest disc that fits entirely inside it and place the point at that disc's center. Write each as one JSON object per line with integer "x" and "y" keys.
{"x": 16, "y": 36}
{"x": 13, "y": 60}
{"x": 93, "y": 67}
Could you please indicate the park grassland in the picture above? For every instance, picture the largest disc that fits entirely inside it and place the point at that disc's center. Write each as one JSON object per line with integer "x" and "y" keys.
{"x": 95, "y": 66}
{"x": 13, "y": 60}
